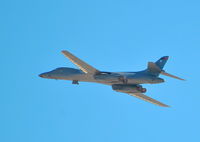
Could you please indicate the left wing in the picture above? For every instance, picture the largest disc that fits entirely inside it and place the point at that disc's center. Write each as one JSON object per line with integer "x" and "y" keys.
{"x": 148, "y": 99}
{"x": 86, "y": 68}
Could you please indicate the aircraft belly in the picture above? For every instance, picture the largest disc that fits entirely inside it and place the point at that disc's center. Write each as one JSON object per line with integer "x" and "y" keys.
{"x": 80, "y": 77}
{"x": 83, "y": 78}
{"x": 88, "y": 78}
{"x": 145, "y": 81}
{"x": 135, "y": 81}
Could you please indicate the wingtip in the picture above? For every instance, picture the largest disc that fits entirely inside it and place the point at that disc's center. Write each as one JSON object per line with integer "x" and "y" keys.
{"x": 63, "y": 51}
{"x": 182, "y": 79}
{"x": 165, "y": 58}
{"x": 166, "y": 106}
{"x": 163, "y": 105}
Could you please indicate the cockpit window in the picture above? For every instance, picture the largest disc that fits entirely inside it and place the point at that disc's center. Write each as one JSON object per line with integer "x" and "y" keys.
{"x": 58, "y": 70}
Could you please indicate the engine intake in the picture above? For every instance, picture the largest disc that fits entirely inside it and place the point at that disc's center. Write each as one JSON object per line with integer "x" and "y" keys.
{"x": 124, "y": 88}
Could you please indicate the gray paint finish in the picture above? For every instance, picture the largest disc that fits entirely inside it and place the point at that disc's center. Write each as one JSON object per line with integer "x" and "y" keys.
{"x": 125, "y": 82}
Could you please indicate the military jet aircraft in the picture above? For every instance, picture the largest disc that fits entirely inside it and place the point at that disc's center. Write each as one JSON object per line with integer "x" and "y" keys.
{"x": 125, "y": 82}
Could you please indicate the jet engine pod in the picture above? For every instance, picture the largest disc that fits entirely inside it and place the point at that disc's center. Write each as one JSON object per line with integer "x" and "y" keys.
{"x": 140, "y": 88}
{"x": 124, "y": 88}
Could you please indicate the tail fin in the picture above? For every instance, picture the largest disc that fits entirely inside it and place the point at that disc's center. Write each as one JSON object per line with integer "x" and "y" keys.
{"x": 157, "y": 68}
{"x": 161, "y": 62}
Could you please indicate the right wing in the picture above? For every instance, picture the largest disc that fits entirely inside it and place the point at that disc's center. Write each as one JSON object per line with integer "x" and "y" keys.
{"x": 148, "y": 99}
{"x": 86, "y": 68}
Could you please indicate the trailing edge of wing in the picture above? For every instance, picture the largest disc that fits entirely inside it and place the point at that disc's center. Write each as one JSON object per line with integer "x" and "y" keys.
{"x": 148, "y": 99}
{"x": 81, "y": 64}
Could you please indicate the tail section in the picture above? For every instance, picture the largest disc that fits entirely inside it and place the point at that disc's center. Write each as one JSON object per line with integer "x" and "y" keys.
{"x": 153, "y": 69}
{"x": 161, "y": 62}
{"x": 157, "y": 68}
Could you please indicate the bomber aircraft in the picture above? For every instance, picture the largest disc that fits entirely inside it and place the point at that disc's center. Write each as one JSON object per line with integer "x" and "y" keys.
{"x": 125, "y": 82}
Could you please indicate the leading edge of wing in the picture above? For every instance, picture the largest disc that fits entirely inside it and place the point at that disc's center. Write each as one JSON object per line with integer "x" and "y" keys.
{"x": 148, "y": 99}
{"x": 86, "y": 68}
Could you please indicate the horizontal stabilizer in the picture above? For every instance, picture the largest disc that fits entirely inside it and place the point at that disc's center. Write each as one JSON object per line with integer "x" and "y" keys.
{"x": 86, "y": 68}
{"x": 148, "y": 99}
{"x": 170, "y": 75}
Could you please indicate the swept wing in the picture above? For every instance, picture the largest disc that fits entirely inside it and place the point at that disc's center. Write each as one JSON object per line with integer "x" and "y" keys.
{"x": 86, "y": 68}
{"x": 148, "y": 99}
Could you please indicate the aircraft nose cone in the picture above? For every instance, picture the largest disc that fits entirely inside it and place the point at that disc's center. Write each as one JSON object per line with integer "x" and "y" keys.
{"x": 44, "y": 75}
{"x": 41, "y": 75}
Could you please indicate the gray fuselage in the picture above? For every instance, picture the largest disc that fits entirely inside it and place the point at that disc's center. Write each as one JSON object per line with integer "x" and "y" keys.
{"x": 109, "y": 78}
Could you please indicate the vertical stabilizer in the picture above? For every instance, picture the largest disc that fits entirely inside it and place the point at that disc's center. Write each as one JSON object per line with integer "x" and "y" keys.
{"x": 161, "y": 62}
{"x": 157, "y": 67}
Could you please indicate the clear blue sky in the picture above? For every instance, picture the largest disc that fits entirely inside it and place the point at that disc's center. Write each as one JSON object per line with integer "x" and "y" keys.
{"x": 111, "y": 35}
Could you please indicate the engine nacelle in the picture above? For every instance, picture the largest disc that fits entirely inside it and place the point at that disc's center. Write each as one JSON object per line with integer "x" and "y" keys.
{"x": 125, "y": 88}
